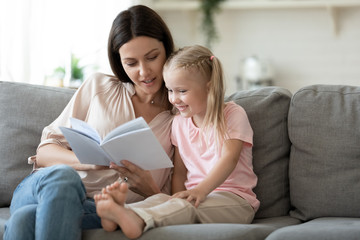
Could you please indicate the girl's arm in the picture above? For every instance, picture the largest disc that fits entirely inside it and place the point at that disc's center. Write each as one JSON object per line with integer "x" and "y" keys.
{"x": 179, "y": 175}
{"x": 224, "y": 167}
{"x": 220, "y": 172}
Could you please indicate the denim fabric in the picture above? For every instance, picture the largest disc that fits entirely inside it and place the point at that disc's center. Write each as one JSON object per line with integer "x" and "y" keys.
{"x": 50, "y": 204}
{"x": 90, "y": 219}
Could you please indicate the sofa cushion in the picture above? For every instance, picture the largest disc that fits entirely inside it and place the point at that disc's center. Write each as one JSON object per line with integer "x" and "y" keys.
{"x": 25, "y": 110}
{"x": 267, "y": 110}
{"x": 4, "y": 216}
{"x": 324, "y": 172}
{"x": 201, "y": 231}
{"x": 320, "y": 229}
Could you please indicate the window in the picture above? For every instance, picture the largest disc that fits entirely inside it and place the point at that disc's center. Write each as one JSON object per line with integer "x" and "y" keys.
{"x": 37, "y": 36}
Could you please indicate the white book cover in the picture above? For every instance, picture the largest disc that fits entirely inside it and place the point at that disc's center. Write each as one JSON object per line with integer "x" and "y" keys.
{"x": 133, "y": 141}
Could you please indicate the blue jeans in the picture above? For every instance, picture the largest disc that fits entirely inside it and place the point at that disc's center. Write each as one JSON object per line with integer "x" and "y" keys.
{"x": 51, "y": 204}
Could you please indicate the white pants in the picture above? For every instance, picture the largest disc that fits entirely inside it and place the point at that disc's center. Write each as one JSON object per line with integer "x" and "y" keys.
{"x": 218, "y": 207}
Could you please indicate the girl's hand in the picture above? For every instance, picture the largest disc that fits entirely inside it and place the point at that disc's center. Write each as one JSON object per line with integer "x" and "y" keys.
{"x": 139, "y": 180}
{"x": 195, "y": 196}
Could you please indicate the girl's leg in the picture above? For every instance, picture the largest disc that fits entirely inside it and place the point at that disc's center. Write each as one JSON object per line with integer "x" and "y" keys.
{"x": 136, "y": 218}
{"x": 115, "y": 211}
{"x": 117, "y": 195}
{"x": 160, "y": 210}
{"x": 219, "y": 207}
{"x": 58, "y": 194}
{"x": 225, "y": 207}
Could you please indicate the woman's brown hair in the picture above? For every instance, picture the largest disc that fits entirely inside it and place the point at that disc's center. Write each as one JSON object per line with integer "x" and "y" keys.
{"x": 137, "y": 21}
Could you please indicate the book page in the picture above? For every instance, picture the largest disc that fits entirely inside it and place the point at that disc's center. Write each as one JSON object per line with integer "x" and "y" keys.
{"x": 133, "y": 141}
{"x": 140, "y": 147}
{"x": 133, "y": 125}
{"x": 85, "y": 129}
{"x": 87, "y": 150}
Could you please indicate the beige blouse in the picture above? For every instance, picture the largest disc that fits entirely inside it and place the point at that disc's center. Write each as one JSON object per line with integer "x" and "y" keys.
{"x": 105, "y": 103}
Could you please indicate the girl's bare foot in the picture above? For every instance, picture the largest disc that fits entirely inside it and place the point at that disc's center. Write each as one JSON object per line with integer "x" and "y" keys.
{"x": 114, "y": 210}
{"x": 114, "y": 191}
{"x": 107, "y": 225}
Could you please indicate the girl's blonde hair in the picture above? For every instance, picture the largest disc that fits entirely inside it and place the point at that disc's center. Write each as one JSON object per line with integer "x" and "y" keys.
{"x": 202, "y": 59}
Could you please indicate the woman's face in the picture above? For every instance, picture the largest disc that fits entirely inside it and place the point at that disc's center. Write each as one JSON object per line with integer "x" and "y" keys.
{"x": 143, "y": 59}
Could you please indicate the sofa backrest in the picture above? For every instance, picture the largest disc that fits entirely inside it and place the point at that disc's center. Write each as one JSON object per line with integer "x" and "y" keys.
{"x": 267, "y": 110}
{"x": 324, "y": 128}
{"x": 24, "y": 111}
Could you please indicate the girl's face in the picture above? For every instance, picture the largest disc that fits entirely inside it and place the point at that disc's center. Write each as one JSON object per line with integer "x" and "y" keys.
{"x": 143, "y": 59}
{"x": 188, "y": 90}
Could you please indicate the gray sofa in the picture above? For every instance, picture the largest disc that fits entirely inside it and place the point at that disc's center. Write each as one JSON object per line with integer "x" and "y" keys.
{"x": 306, "y": 155}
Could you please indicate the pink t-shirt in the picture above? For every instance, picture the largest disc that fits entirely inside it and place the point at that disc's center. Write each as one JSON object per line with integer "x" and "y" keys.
{"x": 200, "y": 155}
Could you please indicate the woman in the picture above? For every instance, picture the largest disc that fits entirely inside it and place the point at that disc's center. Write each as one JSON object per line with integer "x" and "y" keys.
{"x": 56, "y": 200}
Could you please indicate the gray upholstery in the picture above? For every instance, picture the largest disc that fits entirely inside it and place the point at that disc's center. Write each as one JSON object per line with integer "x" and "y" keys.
{"x": 317, "y": 131}
{"x": 267, "y": 109}
{"x": 4, "y": 215}
{"x": 258, "y": 230}
{"x": 320, "y": 229}
{"x": 24, "y": 110}
{"x": 324, "y": 128}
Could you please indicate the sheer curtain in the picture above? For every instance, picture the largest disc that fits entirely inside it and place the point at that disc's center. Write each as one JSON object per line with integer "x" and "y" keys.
{"x": 37, "y": 36}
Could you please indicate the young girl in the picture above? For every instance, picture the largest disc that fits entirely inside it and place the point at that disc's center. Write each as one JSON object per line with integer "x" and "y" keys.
{"x": 213, "y": 174}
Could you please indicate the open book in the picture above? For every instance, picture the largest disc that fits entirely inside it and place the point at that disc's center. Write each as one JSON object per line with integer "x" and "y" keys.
{"x": 133, "y": 141}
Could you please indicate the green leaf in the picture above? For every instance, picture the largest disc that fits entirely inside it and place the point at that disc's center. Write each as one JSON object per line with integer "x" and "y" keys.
{"x": 209, "y": 8}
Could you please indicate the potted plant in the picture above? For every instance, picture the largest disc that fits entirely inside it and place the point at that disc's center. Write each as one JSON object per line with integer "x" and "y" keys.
{"x": 209, "y": 8}
{"x": 71, "y": 76}
{"x": 77, "y": 72}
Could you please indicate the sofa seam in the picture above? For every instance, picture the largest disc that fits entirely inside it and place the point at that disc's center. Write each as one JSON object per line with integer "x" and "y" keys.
{"x": 42, "y": 87}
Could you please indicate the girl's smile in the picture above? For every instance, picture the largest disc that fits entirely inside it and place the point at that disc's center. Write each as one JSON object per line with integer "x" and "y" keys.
{"x": 188, "y": 92}
{"x": 181, "y": 108}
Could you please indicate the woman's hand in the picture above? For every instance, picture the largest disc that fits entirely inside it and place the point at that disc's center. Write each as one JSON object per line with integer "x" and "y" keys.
{"x": 195, "y": 196}
{"x": 139, "y": 180}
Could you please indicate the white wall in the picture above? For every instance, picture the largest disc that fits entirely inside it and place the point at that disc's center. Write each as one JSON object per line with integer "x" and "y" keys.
{"x": 300, "y": 43}
{"x": 37, "y": 36}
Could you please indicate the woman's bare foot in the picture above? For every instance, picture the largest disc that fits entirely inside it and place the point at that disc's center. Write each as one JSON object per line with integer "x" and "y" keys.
{"x": 107, "y": 225}
{"x": 114, "y": 210}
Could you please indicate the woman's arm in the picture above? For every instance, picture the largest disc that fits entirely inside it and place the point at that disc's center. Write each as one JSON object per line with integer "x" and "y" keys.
{"x": 179, "y": 175}
{"x": 219, "y": 173}
{"x": 53, "y": 154}
{"x": 141, "y": 181}
{"x": 49, "y": 152}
